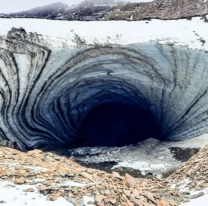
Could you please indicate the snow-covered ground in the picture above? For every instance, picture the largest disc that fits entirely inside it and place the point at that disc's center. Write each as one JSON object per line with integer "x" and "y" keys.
{"x": 191, "y": 33}
{"x": 11, "y": 193}
{"x": 202, "y": 201}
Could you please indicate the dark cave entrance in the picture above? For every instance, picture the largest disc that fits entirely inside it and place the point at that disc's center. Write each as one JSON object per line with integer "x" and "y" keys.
{"x": 116, "y": 124}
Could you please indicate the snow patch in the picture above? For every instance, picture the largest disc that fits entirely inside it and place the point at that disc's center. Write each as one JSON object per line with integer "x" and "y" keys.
{"x": 178, "y": 32}
{"x": 11, "y": 193}
{"x": 201, "y": 201}
{"x": 144, "y": 167}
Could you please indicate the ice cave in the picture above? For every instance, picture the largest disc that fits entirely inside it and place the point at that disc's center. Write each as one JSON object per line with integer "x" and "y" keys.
{"x": 99, "y": 94}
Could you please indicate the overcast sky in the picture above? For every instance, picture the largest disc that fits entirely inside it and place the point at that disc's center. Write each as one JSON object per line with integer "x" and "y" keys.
{"x": 9, "y": 6}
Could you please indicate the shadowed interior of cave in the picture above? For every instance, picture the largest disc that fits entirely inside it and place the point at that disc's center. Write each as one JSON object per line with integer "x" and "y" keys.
{"x": 116, "y": 124}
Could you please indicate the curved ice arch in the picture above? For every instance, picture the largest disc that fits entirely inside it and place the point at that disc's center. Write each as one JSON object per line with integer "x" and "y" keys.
{"x": 46, "y": 96}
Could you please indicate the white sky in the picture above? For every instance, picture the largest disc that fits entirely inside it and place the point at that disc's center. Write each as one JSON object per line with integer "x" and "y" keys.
{"x": 9, "y": 6}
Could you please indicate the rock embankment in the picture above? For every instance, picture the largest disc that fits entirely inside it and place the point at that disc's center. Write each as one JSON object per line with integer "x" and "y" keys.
{"x": 53, "y": 175}
{"x": 160, "y": 9}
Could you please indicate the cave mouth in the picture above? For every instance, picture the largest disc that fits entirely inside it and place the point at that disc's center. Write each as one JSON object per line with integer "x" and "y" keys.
{"x": 116, "y": 124}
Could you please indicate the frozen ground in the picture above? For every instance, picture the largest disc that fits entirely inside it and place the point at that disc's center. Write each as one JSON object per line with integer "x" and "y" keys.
{"x": 150, "y": 156}
{"x": 59, "y": 34}
{"x": 11, "y": 193}
{"x": 202, "y": 201}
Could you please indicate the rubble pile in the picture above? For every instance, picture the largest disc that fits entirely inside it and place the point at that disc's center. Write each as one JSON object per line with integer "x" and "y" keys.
{"x": 193, "y": 172}
{"x": 53, "y": 176}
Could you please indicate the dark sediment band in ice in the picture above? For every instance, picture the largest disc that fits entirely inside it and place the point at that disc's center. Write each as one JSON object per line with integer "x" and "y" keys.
{"x": 110, "y": 96}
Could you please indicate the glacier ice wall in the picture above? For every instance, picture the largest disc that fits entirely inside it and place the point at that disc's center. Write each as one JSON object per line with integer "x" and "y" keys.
{"x": 100, "y": 95}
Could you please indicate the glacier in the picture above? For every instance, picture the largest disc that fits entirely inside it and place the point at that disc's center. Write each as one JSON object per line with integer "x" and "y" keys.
{"x": 78, "y": 86}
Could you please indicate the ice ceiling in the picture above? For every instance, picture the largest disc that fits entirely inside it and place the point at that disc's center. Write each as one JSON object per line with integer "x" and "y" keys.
{"x": 100, "y": 95}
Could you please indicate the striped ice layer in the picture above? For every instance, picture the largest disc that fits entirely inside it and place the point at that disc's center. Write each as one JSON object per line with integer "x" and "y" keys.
{"x": 99, "y": 94}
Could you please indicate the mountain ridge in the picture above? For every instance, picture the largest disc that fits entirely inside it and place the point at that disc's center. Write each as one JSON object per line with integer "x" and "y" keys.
{"x": 96, "y": 10}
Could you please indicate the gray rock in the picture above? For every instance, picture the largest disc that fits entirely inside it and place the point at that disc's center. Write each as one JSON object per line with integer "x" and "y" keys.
{"x": 7, "y": 143}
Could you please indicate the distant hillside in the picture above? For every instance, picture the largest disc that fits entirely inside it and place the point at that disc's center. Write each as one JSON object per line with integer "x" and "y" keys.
{"x": 85, "y": 11}
{"x": 91, "y": 10}
{"x": 49, "y": 11}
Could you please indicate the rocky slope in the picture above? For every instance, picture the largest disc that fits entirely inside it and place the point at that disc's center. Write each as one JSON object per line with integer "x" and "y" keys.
{"x": 160, "y": 9}
{"x": 107, "y": 10}
{"x": 59, "y": 176}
